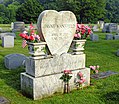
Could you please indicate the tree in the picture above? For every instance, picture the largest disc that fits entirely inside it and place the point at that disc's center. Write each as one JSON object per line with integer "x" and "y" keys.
{"x": 64, "y": 5}
{"x": 12, "y": 8}
{"x": 29, "y": 11}
{"x": 3, "y": 14}
{"x": 91, "y": 10}
{"x": 112, "y": 14}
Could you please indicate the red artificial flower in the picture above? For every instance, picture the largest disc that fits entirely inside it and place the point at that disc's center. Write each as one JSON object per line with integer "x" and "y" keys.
{"x": 26, "y": 37}
{"x": 22, "y": 35}
{"x": 31, "y": 37}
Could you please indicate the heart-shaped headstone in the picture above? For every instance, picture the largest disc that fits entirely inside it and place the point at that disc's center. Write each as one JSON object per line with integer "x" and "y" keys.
{"x": 58, "y": 29}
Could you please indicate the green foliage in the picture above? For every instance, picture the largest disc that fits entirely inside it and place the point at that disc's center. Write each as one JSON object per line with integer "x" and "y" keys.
{"x": 86, "y": 11}
{"x": 91, "y": 10}
{"x": 65, "y": 77}
{"x": 112, "y": 14}
{"x": 61, "y": 5}
{"x": 29, "y": 11}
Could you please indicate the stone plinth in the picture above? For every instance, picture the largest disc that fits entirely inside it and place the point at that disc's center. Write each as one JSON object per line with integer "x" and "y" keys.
{"x": 45, "y": 86}
{"x": 56, "y": 64}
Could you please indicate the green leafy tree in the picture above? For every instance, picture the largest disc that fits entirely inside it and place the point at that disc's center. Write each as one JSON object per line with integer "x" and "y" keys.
{"x": 92, "y": 10}
{"x": 112, "y": 14}
{"x": 12, "y": 8}
{"x": 61, "y": 5}
{"x": 29, "y": 11}
{"x": 3, "y": 14}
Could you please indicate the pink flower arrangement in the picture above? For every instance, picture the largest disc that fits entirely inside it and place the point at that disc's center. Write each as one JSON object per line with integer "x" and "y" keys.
{"x": 80, "y": 80}
{"x": 82, "y": 31}
{"x": 66, "y": 77}
{"x": 95, "y": 69}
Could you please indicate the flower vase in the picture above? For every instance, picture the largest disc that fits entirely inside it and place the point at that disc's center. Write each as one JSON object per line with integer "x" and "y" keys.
{"x": 37, "y": 49}
{"x": 78, "y": 46}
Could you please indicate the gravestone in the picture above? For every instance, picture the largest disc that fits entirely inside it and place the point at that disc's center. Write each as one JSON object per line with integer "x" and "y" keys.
{"x": 18, "y": 26}
{"x": 13, "y": 61}
{"x": 7, "y": 34}
{"x": 110, "y": 27}
{"x": 109, "y": 36}
{"x": 3, "y": 100}
{"x": 117, "y": 32}
{"x": 55, "y": 27}
{"x": 12, "y": 25}
{"x": 117, "y": 53}
{"x": 8, "y": 41}
{"x": 42, "y": 76}
{"x": 101, "y": 23}
{"x": 0, "y": 29}
{"x": 116, "y": 37}
{"x": 94, "y": 37}
{"x": 95, "y": 28}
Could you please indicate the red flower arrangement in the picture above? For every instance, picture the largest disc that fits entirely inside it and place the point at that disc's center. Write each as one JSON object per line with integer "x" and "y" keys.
{"x": 32, "y": 37}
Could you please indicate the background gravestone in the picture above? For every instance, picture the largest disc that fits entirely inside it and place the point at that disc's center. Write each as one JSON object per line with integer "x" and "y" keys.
{"x": 18, "y": 26}
{"x": 7, "y": 34}
{"x": 95, "y": 28}
{"x": 101, "y": 23}
{"x": 116, "y": 37}
{"x": 8, "y": 41}
{"x": 110, "y": 27}
{"x": 3, "y": 100}
{"x": 94, "y": 37}
{"x": 13, "y": 61}
{"x": 109, "y": 36}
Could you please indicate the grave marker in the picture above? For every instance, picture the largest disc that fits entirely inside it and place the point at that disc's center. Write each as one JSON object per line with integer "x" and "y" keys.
{"x": 8, "y": 41}
{"x": 58, "y": 29}
{"x": 42, "y": 76}
{"x": 13, "y": 61}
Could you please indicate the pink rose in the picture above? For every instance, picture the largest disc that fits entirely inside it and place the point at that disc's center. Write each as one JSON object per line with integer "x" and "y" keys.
{"x": 67, "y": 72}
{"x": 80, "y": 74}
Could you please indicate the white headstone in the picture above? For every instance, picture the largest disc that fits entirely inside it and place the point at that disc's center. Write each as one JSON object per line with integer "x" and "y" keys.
{"x": 58, "y": 29}
{"x": 8, "y": 41}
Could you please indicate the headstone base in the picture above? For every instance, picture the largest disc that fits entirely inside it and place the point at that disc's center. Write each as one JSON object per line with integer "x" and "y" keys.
{"x": 45, "y": 86}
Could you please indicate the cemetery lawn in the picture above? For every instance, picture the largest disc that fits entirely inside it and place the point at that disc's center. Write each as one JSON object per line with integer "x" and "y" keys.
{"x": 101, "y": 91}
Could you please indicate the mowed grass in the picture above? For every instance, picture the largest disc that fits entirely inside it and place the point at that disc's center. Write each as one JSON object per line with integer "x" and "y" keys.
{"x": 102, "y": 91}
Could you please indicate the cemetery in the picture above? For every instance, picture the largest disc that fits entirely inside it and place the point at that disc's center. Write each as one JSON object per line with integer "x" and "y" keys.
{"x": 59, "y": 52}
{"x": 28, "y": 75}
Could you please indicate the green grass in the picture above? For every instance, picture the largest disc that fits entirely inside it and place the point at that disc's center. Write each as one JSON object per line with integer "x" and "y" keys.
{"x": 102, "y": 91}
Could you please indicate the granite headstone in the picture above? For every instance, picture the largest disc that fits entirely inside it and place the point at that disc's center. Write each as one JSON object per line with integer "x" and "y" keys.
{"x": 18, "y": 26}
{"x": 13, "y": 61}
